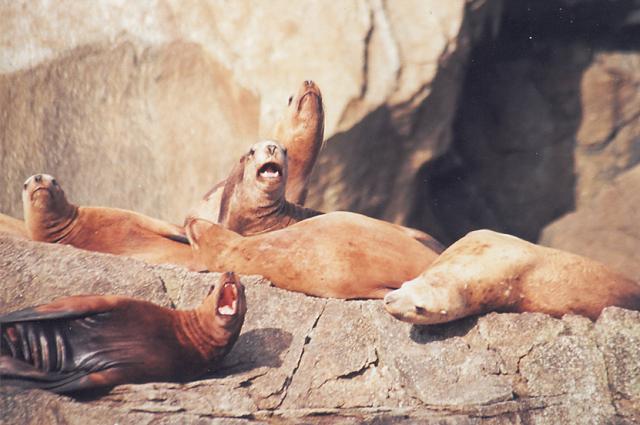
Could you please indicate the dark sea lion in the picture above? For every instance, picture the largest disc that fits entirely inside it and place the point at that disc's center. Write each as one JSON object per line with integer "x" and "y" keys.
{"x": 338, "y": 255}
{"x": 253, "y": 197}
{"x": 488, "y": 271}
{"x": 301, "y": 132}
{"x": 13, "y": 226}
{"x": 84, "y": 342}
{"x": 49, "y": 217}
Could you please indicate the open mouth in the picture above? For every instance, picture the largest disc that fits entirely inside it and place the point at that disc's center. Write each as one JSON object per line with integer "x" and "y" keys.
{"x": 228, "y": 302}
{"x": 270, "y": 170}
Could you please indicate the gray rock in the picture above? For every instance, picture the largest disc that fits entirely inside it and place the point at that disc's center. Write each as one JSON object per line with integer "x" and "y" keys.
{"x": 302, "y": 359}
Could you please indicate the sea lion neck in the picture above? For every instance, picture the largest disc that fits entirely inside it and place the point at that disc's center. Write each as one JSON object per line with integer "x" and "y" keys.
{"x": 253, "y": 209}
{"x": 51, "y": 225}
{"x": 200, "y": 329}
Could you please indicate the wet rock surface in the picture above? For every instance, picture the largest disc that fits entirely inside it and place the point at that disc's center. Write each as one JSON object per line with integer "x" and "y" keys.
{"x": 301, "y": 359}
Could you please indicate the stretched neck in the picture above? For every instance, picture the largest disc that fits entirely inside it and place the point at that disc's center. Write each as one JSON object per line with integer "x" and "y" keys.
{"x": 303, "y": 151}
{"x": 52, "y": 225}
{"x": 202, "y": 329}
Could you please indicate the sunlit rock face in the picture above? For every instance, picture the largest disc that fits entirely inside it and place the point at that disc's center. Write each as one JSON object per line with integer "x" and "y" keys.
{"x": 146, "y": 106}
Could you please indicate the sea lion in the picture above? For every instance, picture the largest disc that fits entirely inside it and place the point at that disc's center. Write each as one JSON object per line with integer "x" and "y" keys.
{"x": 488, "y": 271}
{"x": 253, "y": 199}
{"x": 337, "y": 255}
{"x": 83, "y": 342}
{"x": 13, "y": 226}
{"x": 301, "y": 132}
{"x": 49, "y": 217}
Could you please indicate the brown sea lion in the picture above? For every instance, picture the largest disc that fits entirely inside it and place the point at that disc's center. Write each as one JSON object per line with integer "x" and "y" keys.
{"x": 12, "y": 226}
{"x": 488, "y": 271}
{"x": 301, "y": 132}
{"x": 338, "y": 255}
{"x": 82, "y": 342}
{"x": 49, "y": 217}
{"x": 253, "y": 199}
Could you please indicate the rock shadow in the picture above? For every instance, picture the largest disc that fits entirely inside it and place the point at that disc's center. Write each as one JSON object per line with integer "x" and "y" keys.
{"x": 254, "y": 349}
{"x": 423, "y": 334}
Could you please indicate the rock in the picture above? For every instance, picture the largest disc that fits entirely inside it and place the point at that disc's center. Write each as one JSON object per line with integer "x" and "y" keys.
{"x": 605, "y": 229}
{"x": 547, "y": 119}
{"x": 149, "y": 129}
{"x": 184, "y": 90}
{"x": 311, "y": 360}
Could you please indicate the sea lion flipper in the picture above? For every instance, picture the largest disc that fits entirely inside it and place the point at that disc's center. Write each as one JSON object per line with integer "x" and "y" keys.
{"x": 14, "y": 372}
{"x": 63, "y": 308}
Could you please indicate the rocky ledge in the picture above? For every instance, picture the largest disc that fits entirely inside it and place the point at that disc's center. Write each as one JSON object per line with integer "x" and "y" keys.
{"x": 308, "y": 360}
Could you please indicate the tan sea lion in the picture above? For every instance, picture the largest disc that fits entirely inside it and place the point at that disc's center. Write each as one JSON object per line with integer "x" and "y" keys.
{"x": 253, "y": 199}
{"x": 12, "y": 226}
{"x": 301, "y": 132}
{"x": 84, "y": 342}
{"x": 488, "y": 271}
{"x": 49, "y": 217}
{"x": 338, "y": 255}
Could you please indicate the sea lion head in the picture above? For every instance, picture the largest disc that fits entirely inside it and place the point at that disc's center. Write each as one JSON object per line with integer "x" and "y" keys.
{"x": 304, "y": 116}
{"x": 418, "y": 301}
{"x": 46, "y": 209}
{"x": 265, "y": 168}
{"x": 42, "y": 192}
{"x": 223, "y": 311}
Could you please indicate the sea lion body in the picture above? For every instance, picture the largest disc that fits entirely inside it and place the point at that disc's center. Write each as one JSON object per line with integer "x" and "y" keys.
{"x": 489, "y": 271}
{"x": 12, "y": 226}
{"x": 301, "y": 132}
{"x": 49, "y": 217}
{"x": 83, "y": 342}
{"x": 338, "y": 255}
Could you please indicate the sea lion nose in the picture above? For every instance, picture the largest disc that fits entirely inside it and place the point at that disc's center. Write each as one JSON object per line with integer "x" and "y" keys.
{"x": 308, "y": 83}
{"x": 38, "y": 178}
{"x": 271, "y": 149}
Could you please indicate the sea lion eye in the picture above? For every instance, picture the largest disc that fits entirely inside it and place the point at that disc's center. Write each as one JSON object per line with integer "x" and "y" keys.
{"x": 54, "y": 182}
{"x": 25, "y": 186}
{"x": 290, "y": 100}
{"x": 420, "y": 310}
{"x": 252, "y": 151}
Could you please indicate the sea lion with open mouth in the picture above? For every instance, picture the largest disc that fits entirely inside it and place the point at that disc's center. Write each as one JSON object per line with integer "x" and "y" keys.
{"x": 337, "y": 255}
{"x": 489, "y": 271}
{"x": 301, "y": 132}
{"x": 49, "y": 217}
{"x": 85, "y": 342}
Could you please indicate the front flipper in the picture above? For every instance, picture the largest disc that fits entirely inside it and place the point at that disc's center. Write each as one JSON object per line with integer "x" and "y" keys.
{"x": 19, "y": 374}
